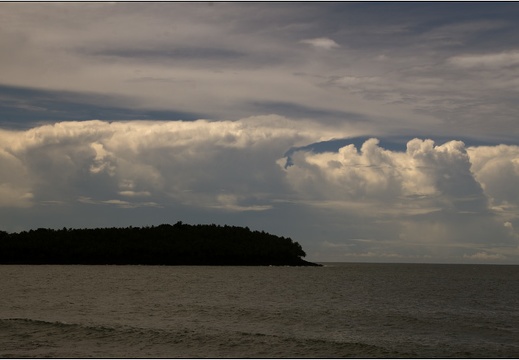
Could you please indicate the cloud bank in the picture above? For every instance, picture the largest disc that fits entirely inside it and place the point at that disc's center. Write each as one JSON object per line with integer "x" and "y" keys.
{"x": 333, "y": 75}
{"x": 401, "y": 68}
{"x": 441, "y": 200}
{"x": 203, "y": 163}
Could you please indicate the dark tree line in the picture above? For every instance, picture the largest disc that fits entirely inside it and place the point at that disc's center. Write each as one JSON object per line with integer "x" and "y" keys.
{"x": 178, "y": 244}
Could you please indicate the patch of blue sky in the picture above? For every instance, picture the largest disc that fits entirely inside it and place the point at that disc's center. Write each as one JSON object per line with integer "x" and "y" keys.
{"x": 24, "y": 107}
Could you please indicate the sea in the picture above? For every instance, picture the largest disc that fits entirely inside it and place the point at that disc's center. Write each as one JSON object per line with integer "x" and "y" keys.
{"x": 340, "y": 310}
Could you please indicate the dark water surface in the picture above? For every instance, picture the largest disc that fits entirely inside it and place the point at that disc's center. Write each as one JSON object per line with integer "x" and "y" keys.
{"x": 341, "y": 310}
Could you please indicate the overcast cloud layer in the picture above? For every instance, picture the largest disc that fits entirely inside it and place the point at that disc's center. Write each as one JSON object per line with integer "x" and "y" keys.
{"x": 367, "y": 131}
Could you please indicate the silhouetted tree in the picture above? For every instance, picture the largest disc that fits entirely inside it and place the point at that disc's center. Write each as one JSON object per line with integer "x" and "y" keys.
{"x": 180, "y": 244}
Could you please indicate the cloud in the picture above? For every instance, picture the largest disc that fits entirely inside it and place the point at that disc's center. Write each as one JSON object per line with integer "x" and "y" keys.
{"x": 463, "y": 32}
{"x": 496, "y": 168}
{"x": 427, "y": 199}
{"x": 187, "y": 61}
{"x": 230, "y": 202}
{"x": 491, "y": 61}
{"x": 321, "y": 43}
{"x": 423, "y": 174}
{"x": 484, "y": 256}
{"x": 15, "y": 185}
{"x": 117, "y": 202}
{"x": 217, "y": 164}
{"x": 12, "y": 195}
{"x": 393, "y": 70}
{"x": 352, "y": 81}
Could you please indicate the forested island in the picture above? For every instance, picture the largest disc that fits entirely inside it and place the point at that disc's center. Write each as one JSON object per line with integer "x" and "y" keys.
{"x": 179, "y": 244}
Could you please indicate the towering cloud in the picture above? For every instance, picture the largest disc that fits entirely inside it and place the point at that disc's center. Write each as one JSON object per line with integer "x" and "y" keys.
{"x": 439, "y": 199}
{"x": 437, "y": 175}
{"x": 426, "y": 199}
{"x": 328, "y": 71}
{"x": 202, "y": 163}
{"x": 496, "y": 168}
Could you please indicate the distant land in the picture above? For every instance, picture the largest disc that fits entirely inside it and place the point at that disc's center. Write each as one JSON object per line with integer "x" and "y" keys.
{"x": 179, "y": 244}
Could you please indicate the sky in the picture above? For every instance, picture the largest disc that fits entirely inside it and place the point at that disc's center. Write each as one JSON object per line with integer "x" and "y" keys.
{"x": 367, "y": 132}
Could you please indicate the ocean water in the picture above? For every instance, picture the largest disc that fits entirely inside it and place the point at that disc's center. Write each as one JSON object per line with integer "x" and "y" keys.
{"x": 339, "y": 310}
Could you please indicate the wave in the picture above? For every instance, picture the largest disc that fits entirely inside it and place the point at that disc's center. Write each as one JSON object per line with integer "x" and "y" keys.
{"x": 25, "y": 337}
{"x": 41, "y": 338}
{"x": 35, "y": 324}
{"x": 301, "y": 347}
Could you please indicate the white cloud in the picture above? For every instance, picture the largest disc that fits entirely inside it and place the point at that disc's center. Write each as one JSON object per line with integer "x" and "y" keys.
{"x": 130, "y": 193}
{"x": 322, "y": 43}
{"x": 497, "y": 169}
{"x": 425, "y": 200}
{"x": 188, "y": 162}
{"x": 430, "y": 200}
{"x": 425, "y": 174}
{"x": 117, "y": 202}
{"x": 492, "y": 61}
{"x": 229, "y": 202}
{"x": 484, "y": 256}
{"x": 129, "y": 205}
{"x": 354, "y": 81}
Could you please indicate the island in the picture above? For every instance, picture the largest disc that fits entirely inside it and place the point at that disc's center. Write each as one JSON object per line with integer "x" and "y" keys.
{"x": 178, "y": 244}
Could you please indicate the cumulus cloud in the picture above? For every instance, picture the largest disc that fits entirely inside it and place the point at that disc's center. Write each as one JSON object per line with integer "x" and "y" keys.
{"x": 430, "y": 198}
{"x": 437, "y": 175}
{"x": 414, "y": 72}
{"x": 221, "y": 164}
{"x": 496, "y": 168}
